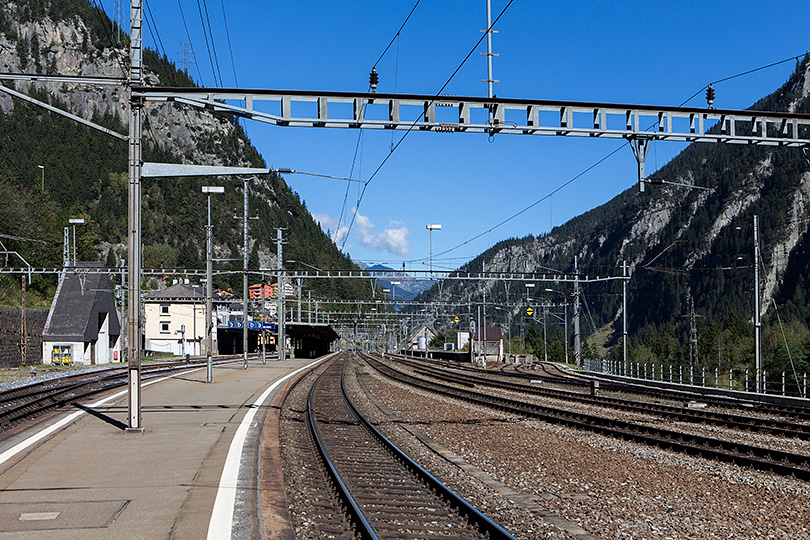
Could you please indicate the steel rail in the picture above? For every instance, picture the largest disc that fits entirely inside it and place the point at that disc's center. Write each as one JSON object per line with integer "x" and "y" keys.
{"x": 25, "y": 402}
{"x": 682, "y": 414}
{"x": 353, "y": 509}
{"x": 475, "y": 517}
{"x": 764, "y": 459}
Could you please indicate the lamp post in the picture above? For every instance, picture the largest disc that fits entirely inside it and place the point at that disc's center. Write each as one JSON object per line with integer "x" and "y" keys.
{"x": 42, "y": 168}
{"x": 74, "y": 222}
{"x": 209, "y": 327}
{"x": 394, "y": 293}
{"x": 431, "y": 228}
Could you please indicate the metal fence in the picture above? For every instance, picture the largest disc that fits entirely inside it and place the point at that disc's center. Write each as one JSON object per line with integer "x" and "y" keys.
{"x": 773, "y": 382}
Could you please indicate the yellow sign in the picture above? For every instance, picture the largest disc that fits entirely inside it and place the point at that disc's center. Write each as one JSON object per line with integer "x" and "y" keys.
{"x": 455, "y": 319}
{"x": 529, "y": 311}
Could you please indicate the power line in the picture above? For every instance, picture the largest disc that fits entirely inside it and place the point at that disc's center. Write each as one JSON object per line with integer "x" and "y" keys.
{"x": 398, "y": 32}
{"x": 213, "y": 43}
{"x": 228, "y": 36}
{"x": 153, "y": 30}
{"x": 183, "y": 17}
{"x": 410, "y": 128}
{"x": 208, "y": 46}
{"x": 99, "y": 11}
{"x": 360, "y": 133}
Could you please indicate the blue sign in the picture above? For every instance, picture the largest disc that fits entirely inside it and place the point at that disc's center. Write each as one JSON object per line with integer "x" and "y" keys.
{"x": 253, "y": 325}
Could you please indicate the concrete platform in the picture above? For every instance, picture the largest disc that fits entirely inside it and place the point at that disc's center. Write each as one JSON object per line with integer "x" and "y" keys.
{"x": 197, "y": 457}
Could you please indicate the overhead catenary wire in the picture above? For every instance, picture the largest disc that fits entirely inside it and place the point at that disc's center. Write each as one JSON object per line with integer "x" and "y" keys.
{"x": 748, "y": 72}
{"x": 603, "y": 159}
{"x": 418, "y": 118}
{"x": 398, "y": 32}
{"x": 360, "y": 133}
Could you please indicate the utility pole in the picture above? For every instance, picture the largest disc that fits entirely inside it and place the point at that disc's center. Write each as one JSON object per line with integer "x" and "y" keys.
{"x": 280, "y": 297}
{"x": 693, "y": 341}
{"x": 577, "y": 344}
{"x": 489, "y": 54}
{"x": 483, "y": 329}
{"x": 66, "y": 247}
{"x": 757, "y": 322}
{"x": 23, "y": 327}
{"x": 624, "y": 316}
{"x": 134, "y": 215}
{"x": 245, "y": 301}
{"x": 299, "y": 299}
{"x": 545, "y": 335}
{"x": 209, "y": 285}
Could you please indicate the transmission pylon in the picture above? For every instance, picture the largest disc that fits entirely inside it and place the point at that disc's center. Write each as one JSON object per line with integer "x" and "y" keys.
{"x": 188, "y": 55}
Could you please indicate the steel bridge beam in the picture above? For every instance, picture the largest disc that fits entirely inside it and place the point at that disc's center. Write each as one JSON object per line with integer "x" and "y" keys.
{"x": 338, "y": 274}
{"x": 453, "y": 114}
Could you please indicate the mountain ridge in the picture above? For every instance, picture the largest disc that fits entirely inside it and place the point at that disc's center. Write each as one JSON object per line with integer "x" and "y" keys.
{"x": 682, "y": 244}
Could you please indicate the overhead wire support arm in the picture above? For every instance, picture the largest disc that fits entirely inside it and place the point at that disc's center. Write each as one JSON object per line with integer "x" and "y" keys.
{"x": 66, "y": 114}
{"x": 68, "y": 79}
{"x": 640, "y": 146}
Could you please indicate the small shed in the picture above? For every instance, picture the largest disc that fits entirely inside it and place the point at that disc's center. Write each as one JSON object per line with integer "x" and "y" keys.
{"x": 82, "y": 325}
{"x": 488, "y": 344}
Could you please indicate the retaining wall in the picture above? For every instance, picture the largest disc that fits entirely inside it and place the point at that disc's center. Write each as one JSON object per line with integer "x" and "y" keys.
{"x": 10, "y": 335}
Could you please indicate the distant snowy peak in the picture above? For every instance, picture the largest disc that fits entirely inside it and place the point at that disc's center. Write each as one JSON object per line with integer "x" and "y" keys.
{"x": 407, "y": 287}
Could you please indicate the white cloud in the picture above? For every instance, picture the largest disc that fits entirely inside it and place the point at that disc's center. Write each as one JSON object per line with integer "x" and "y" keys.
{"x": 330, "y": 223}
{"x": 393, "y": 239}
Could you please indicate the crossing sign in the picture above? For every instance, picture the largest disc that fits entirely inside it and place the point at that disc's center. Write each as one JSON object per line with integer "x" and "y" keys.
{"x": 529, "y": 311}
{"x": 455, "y": 318}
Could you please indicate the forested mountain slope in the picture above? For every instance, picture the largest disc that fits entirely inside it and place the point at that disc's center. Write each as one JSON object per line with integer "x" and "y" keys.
{"x": 84, "y": 171}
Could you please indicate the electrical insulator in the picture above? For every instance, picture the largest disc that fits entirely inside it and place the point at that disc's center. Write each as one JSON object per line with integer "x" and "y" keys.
{"x": 710, "y": 95}
{"x": 373, "y": 79}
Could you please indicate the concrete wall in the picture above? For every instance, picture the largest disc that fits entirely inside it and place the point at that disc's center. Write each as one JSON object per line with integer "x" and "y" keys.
{"x": 10, "y": 335}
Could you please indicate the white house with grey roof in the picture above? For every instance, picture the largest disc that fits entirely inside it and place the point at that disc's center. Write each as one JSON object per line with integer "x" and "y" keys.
{"x": 174, "y": 320}
{"x": 82, "y": 325}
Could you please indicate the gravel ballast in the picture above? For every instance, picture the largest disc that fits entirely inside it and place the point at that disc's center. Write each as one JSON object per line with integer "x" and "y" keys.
{"x": 611, "y": 488}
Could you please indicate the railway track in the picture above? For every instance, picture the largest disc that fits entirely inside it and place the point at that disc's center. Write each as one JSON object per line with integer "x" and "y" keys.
{"x": 766, "y": 459}
{"x": 679, "y": 414}
{"x": 551, "y": 373}
{"x": 384, "y": 492}
{"x": 23, "y": 403}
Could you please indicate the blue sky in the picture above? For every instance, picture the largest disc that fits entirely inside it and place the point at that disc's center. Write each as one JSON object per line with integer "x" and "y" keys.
{"x": 625, "y": 52}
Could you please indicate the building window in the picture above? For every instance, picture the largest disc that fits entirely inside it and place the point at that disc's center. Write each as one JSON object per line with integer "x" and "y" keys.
{"x": 61, "y": 354}
{"x": 164, "y": 309}
{"x": 164, "y": 328}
